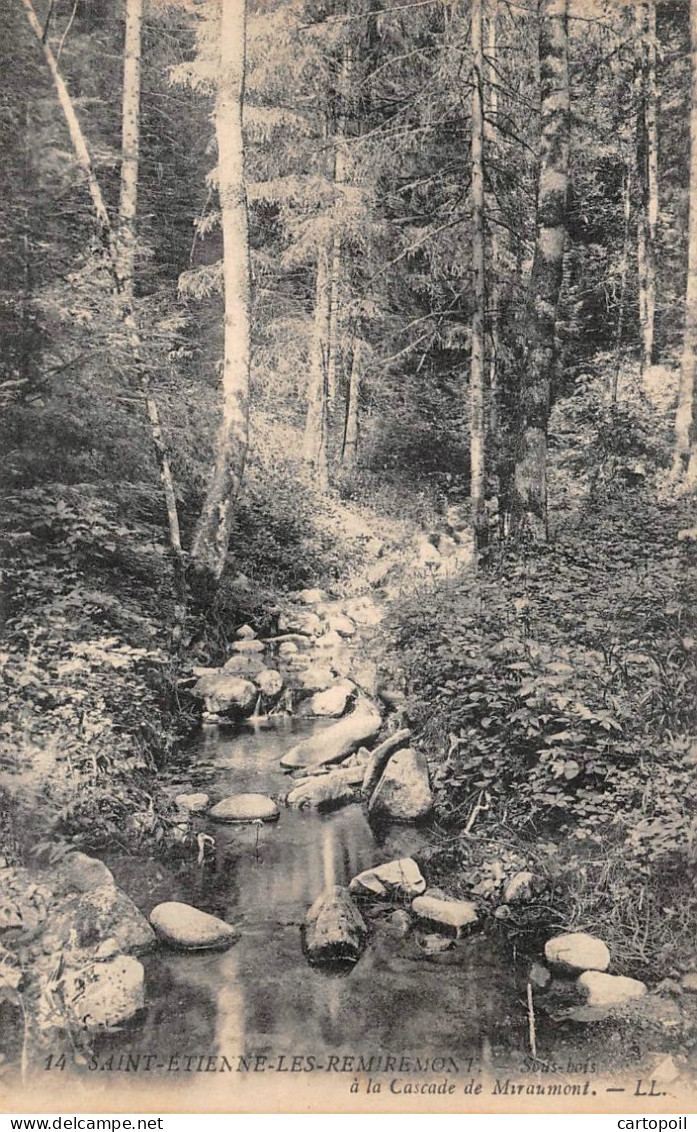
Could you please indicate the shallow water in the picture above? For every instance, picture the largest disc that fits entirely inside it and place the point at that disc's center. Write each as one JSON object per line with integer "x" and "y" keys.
{"x": 261, "y": 996}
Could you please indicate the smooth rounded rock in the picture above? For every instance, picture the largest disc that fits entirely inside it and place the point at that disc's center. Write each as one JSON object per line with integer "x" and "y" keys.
{"x": 379, "y": 758}
{"x": 245, "y": 633}
{"x": 99, "y": 914}
{"x": 454, "y": 914}
{"x": 241, "y": 664}
{"x": 334, "y": 743}
{"x": 269, "y": 682}
{"x": 365, "y": 674}
{"x": 226, "y": 692}
{"x": 305, "y": 624}
{"x": 341, "y": 624}
{"x": 316, "y": 678}
{"x": 403, "y": 794}
{"x": 245, "y": 807}
{"x": 600, "y": 989}
{"x": 78, "y": 872}
{"x": 323, "y": 792}
{"x": 313, "y": 596}
{"x": 333, "y": 701}
{"x": 193, "y": 803}
{"x": 189, "y": 928}
{"x": 576, "y": 952}
{"x": 402, "y": 877}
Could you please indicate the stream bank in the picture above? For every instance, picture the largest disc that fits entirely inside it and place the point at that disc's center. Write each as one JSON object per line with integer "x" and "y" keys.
{"x": 416, "y": 985}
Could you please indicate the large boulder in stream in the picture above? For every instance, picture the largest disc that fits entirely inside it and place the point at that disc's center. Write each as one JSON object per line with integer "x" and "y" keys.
{"x": 398, "y": 878}
{"x": 380, "y": 757}
{"x": 241, "y": 665}
{"x": 100, "y": 914}
{"x": 334, "y": 929}
{"x": 313, "y": 596}
{"x": 404, "y": 792}
{"x": 341, "y": 624}
{"x": 316, "y": 678}
{"x": 78, "y": 872}
{"x": 324, "y": 791}
{"x": 269, "y": 682}
{"x": 226, "y": 692}
{"x": 245, "y": 807}
{"x": 332, "y": 702}
{"x": 190, "y": 929}
{"x": 305, "y": 624}
{"x": 332, "y": 744}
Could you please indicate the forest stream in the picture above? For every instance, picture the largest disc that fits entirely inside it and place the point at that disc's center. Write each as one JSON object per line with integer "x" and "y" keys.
{"x": 261, "y": 997}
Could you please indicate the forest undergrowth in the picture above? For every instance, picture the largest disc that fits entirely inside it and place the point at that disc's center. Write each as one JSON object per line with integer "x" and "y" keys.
{"x": 552, "y": 691}
{"x": 558, "y": 690}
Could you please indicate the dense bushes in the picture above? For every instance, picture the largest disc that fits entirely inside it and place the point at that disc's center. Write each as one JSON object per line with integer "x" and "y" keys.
{"x": 555, "y": 693}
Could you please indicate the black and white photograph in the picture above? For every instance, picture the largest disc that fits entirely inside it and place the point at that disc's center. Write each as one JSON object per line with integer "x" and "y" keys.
{"x": 348, "y": 523}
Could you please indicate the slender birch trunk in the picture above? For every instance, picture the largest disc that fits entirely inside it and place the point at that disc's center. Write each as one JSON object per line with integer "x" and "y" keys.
{"x": 123, "y": 303}
{"x": 528, "y": 497}
{"x": 212, "y": 535}
{"x": 130, "y": 145}
{"x": 685, "y": 465}
{"x": 477, "y": 397}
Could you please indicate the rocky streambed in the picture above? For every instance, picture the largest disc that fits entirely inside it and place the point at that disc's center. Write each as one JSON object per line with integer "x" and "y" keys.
{"x": 308, "y": 926}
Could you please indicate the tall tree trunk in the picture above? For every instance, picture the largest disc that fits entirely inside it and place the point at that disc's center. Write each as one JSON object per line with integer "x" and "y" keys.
{"x": 477, "y": 395}
{"x": 494, "y": 290}
{"x": 624, "y": 268}
{"x": 340, "y": 164}
{"x": 315, "y": 446}
{"x": 332, "y": 346}
{"x": 349, "y": 451}
{"x": 652, "y": 182}
{"x": 645, "y": 258}
{"x": 528, "y": 497}
{"x": 123, "y": 303}
{"x": 130, "y": 144}
{"x": 212, "y": 536}
{"x": 685, "y": 465}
